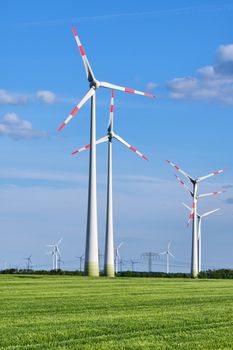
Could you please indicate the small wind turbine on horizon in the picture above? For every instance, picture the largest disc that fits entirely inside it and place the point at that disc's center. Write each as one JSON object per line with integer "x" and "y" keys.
{"x": 117, "y": 256}
{"x": 91, "y": 253}
{"x": 109, "y": 237}
{"x": 193, "y": 214}
{"x": 168, "y": 254}
{"x": 56, "y": 254}
{"x": 199, "y": 243}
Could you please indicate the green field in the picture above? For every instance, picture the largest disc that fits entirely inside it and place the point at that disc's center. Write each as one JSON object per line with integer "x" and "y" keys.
{"x": 64, "y": 312}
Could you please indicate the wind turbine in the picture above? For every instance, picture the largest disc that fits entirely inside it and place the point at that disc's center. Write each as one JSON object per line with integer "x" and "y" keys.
{"x": 91, "y": 254}
{"x": 56, "y": 254}
{"x": 167, "y": 253}
{"x": 109, "y": 250}
{"x": 193, "y": 214}
{"x": 29, "y": 262}
{"x": 117, "y": 256}
{"x": 199, "y": 217}
{"x": 53, "y": 257}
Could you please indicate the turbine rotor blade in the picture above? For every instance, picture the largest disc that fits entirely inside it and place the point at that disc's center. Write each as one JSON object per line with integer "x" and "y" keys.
{"x": 119, "y": 245}
{"x": 101, "y": 140}
{"x": 124, "y": 89}
{"x": 184, "y": 184}
{"x": 59, "y": 241}
{"x": 209, "y": 212}
{"x": 77, "y": 108}
{"x": 186, "y": 206}
{"x": 209, "y": 175}
{"x": 81, "y": 149}
{"x": 110, "y": 123}
{"x": 180, "y": 170}
{"x": 90, "y": 74}
{"x": 191, "y": 214}
{"x": 120, "y": 139}
{"x": 210, "y": 194}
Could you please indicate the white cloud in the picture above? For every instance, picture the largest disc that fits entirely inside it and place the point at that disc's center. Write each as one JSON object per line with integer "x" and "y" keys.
{"x": 213, "y": 82}
{"x": 13, "y": 126}
{"x": 28, "y": 174}
{"x": 46, "y": 96}
{"x": 11, "y": 99}
{"x": 151, "y": 86}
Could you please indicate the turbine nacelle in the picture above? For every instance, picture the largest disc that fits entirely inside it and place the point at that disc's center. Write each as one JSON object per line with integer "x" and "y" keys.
{"x": 95, "y": 84}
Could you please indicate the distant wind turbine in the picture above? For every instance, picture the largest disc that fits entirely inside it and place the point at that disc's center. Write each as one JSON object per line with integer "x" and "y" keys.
{"x": 167, "y": 253}
{"x": 193, "y": 214}
{"x": 56, "y": 254}
{"x": 117, "y": 256}
{"x": 200, "y": 217}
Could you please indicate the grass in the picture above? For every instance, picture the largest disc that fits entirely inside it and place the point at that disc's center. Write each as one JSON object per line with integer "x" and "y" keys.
{"x": 64, "y": 312}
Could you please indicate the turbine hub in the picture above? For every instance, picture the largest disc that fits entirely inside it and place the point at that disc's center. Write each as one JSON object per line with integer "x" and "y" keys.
{"x": 95, "y": 84}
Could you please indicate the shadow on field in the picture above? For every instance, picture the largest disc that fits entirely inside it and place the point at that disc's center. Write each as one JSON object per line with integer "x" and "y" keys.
{"x": 29, "y": 277}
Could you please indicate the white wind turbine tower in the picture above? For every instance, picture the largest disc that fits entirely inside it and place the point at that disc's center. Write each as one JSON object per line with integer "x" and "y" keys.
{"x": 109, "y": 250}
{"x": 117, "y": 256}
{"x": 199, "y": 217}
{"x": 53, "y": 258}
{"x": 91, "y": 254}
{"x": 193, "y": 214}
{"x": 56, "y": 254}
{"x": 168, "y": 254}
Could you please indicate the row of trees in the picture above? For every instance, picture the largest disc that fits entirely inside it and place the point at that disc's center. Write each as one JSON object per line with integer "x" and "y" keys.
{"x": 222, "y": 273}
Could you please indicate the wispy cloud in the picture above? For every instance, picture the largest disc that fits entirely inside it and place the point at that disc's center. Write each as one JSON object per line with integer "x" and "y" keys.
{"x": 176, "y": 11}
{"x": 46, "y": 96}
{"x": 151, "y": 85}
{"x": 16, "y": 128}
{"x": 28, "y": 174}
{"x": 7, "y": 98}
{"x": 211, "y": 83}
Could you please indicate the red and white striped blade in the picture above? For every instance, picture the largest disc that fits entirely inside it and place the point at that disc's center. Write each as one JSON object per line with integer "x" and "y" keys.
{"x": 209, "y": 175}
{"x": 210, "y": 194}
{"x": 77, "y": 108}
{"x": 191, "y": 214}
{"x": 90, "y": 74}
{"x": 120, "y": 139}
{"x": 180, "y": 170}
{"x": 124, "y": 89}
{"x": 101, "y": 140}
{"x": 184, "y": 184}
{"x": 110, "y": 123}
{"x": 190, "y": 218}
{"x": 81, "y": 149}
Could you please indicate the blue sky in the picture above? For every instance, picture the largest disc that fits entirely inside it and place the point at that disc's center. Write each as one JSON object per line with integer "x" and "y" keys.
{"x": 181, "y": 51}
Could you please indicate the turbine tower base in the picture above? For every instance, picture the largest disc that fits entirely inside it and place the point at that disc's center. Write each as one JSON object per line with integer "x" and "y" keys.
{"x": 109, "y": 270}
{"x": 92, "y": 269}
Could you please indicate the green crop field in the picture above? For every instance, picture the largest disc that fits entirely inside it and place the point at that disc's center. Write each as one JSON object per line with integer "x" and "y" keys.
{"x": 64, "y": 312}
